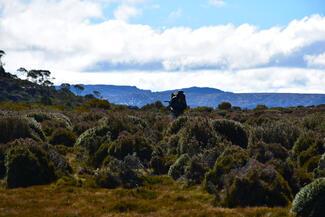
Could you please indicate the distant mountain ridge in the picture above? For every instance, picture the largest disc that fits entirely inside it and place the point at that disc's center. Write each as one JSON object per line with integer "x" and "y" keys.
{"x": 202, "y": 96}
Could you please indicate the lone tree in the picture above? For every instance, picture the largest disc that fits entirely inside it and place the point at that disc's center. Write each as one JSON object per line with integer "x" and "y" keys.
{"x": 2, "y": 53}
{"x": 224, "y": 106}
{"x": 79, "y": 88}
{"x": 177, "y": 103}
{"x": 97, "y": 94}
{"x": 65, "y": 87}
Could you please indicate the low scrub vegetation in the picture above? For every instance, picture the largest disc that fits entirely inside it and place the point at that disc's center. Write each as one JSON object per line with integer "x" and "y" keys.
{"x": 200, "y": 162}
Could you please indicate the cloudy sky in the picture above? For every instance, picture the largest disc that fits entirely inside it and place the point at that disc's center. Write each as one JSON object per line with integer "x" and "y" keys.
{"x": 233, "y": 45}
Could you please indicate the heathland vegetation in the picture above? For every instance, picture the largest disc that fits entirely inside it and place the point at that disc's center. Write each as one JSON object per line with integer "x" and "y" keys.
{"x": 64, "y": 155}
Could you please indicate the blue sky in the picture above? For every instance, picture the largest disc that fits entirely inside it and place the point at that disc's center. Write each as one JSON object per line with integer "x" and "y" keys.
{"x": 233, "y": 45}
{"x": 197, "y": 13}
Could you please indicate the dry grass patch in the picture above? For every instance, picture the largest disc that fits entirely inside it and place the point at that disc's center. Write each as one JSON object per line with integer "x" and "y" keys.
{"x": 162, "y": 197}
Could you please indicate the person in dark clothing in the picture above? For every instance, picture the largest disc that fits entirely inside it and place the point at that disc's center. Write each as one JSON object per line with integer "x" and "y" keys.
{"x": 177, "y": 103}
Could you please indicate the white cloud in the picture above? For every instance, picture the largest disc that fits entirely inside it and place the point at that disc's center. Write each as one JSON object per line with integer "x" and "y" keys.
{"x": 125, "y": 12}
{"x": 217, "y": 3}
{"x": 127, "y": 9}
{"x": 315, "y": 60}
{"x": 59, "y": 35}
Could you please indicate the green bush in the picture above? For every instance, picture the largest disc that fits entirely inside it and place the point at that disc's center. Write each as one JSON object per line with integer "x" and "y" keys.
{"x": 97, "y": 104}
{"x": 306, "y": 157}
{"x": 320, "y": 171}
{"x": 301, "y": 178}
{"x": 49, "y": 116}
{"x": 12, "y": 128}
{"x": 118, "y": 174}
{"x": 282, "y": 132}
{"x": 261, "y": 107}
{"x": 307, "y": 147}
{"x": 304, "y": 141}
{"x": 107, "y": 130}
{"x": 310, "y": 201}
{"x": 203, "y": 109}
{"x": 194, "y": 172}
{"x": 256, "y": 185}
{"x": 232, "y": 158}
{"x": 233, "y": 131}
{"x": 266, "y": 152}
{"x": 61, "y": 165}
{"x": 91, "y": 139}
{"x": 26, "y": 165}
{"x": 63, "y": 137}
{"x": 315, "y": 122}
{"x": 105, "y": 179}
{"x": 177, "y": 170}
{"x": 209, "y": 156}
{"x": 51, "y": 121}
{"x": 129, "y": 144}
{"x": 2, "y": 161}
{"x": 196, "y": 136}
{"x": 177, "y": 125}
{"x": 286, "y": 169}
{"x": 224, "y": 106}
{"x": 160, "y": 164}
{"x": 101, "y": 154}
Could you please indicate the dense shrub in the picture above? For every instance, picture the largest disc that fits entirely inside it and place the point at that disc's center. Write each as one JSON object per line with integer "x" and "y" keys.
{"x": 232, "y": 158}
{"x": 105, "y": 179}
{"x": 160, "y": 164}
{"x": 49, "y": 116}
{"x": 308, "y": 149}
{"x": 2, "y": 161}
{"x": 196, "y": 136}
{"x": 116, "y": 174}
{"x": 101, "y": 154}
{"x": 194, "y": 172}
{"x": 315, "y": 122}
{"x": 156, "y": 106}
{"x": 81, "y": 127}
{"x": 98, "y": 104}
{"x": 256, "y": 185}
{"x": 177, "y": 170}
{"x": 224, "y": 106}
{"x": 12, "y": 128}
{"x": 209, "y": 156}
{"x": 320, "y": 171}
{"x": 61, "y": 165}
{"x": 261, "y": 107}
{"x": 282, "y": 132}
{"x": 266, "y": 152}
{"x": 232, "y": 130}
{"x": 301, "y": 178}
{"x": 51, "y": 121}
{"x": 310, "y": 201}
{"x": 177, "y": 125}
{"x": 203, "y": 109}
{"x": 129, "y": 144}
{"x": 286, "y": 169}
{"x": 26, "y": 165}
{"x": 304, "y": 141}
{"x": 91, "y": 140}
{"x": 63, "y": 137}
